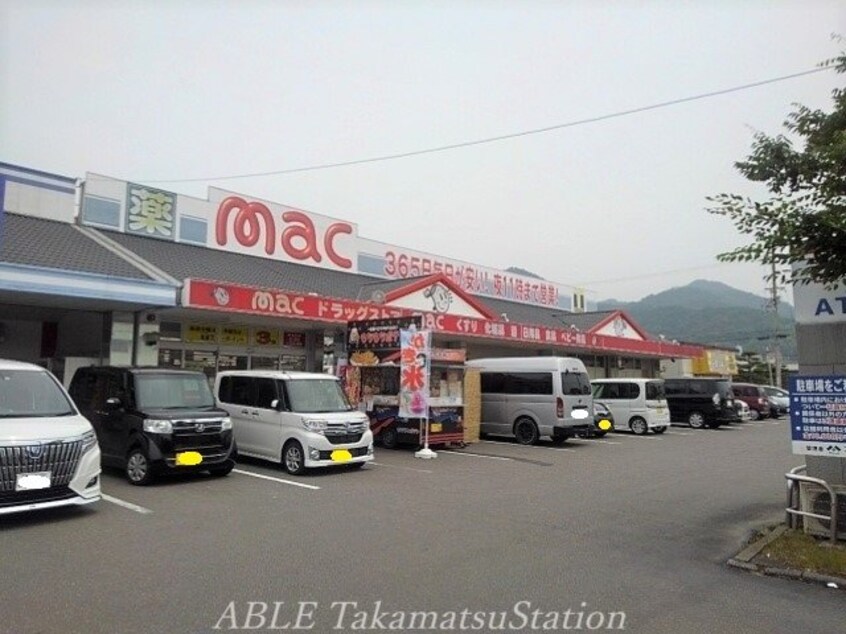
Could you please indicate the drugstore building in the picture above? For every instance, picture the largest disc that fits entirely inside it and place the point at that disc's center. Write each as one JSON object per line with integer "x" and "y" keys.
{"x": 99, "y": 270}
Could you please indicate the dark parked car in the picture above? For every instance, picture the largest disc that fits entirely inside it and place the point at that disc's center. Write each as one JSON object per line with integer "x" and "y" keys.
{"x": 700, "y": 401}
{"x": 755, "y": 397}
{"x": 603, "y": 421}
{"x": 153, "y": 420}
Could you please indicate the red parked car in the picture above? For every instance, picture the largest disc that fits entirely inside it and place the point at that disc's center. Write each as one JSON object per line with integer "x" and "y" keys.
{"x": 755, "y": 397}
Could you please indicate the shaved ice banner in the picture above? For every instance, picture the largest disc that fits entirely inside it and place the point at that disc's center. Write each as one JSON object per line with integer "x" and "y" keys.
{"x": 415, "y": 352}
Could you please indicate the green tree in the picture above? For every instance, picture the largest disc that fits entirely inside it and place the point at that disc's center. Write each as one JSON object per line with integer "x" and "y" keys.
{"x": 804, "y": 220}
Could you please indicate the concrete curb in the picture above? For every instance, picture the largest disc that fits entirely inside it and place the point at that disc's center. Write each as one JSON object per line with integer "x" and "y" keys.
{"x": 751, "y": 551}
{"x": 742, "y": 561}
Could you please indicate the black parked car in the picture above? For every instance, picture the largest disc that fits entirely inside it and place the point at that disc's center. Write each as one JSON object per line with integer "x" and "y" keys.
{"x": 154, "y": 420}
{"x": 701, "y": 401}
{"x": 603, "y": 421}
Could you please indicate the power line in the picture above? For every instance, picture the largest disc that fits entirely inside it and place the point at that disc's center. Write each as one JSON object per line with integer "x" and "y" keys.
{"x": 494, "y": 139}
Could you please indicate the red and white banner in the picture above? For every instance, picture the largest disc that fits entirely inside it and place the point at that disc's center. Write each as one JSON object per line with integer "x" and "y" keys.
{"x": 275, "y": 303}
{"x": 415, "y": 346}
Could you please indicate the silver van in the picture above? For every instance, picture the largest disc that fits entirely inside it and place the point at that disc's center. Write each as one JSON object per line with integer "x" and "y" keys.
{"x": 300, "y": 419}
{"x": 636, "y": 404}
{"x": 531, "y": 397}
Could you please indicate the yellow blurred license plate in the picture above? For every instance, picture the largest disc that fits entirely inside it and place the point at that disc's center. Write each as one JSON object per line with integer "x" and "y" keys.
{"x": 341, "y": 455}
{"x": 188, "y": 458}
{"x": 436, "y": 427}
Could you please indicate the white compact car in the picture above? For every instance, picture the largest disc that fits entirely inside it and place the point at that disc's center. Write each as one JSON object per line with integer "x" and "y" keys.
{"x": 300, "y": 419}
{"x": 48, "y": 452}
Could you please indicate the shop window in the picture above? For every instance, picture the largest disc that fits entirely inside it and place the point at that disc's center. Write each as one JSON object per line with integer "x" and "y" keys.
{"x": 170, "y": 331}
{"x": 204, "y": 361}
{"x": 170, "y": 358}
{"x": 292, "y": 362}
{"x": 264, "y": 363}
{"x": 231, "y": 362}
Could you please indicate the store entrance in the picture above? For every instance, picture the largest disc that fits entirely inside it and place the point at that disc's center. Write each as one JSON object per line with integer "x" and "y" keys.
{"x": 213, "y": 360}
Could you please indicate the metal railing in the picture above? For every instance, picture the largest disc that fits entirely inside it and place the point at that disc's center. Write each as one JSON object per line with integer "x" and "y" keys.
{"x": 793, "y": 500}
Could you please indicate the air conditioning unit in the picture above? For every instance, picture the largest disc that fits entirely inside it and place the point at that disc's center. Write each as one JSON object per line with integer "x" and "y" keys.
{"x": 815, "y": 499}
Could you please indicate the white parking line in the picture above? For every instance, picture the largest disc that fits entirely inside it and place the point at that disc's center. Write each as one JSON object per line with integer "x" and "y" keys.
{"x": 396, "y": 466}
{"x": 604, "y": 442}
{"x": 678, "y": 433}
{"x": 473, "y": 455}
{"x": 639, "y": 437}
{"x": 280, "y": 480}
{"x": 125, "y": 504}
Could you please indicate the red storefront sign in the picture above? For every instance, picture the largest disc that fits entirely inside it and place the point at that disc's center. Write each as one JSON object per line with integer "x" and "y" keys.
{"x": 258, "y": 301}
{"x": 275, "y": 303}
{"x": 298, "y": 236}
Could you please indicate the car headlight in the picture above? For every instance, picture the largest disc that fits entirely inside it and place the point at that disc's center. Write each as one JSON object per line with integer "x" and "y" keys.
{"x": 317, "y": 426}
{"x": 225, "y": 424}
{"x": 155, "y": 426}
{"x": 89, "y": 440}
{"x": 716, "y": 399}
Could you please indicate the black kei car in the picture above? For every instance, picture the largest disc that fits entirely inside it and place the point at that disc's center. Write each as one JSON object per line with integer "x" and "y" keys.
{"x": 154, "y": 420}
{"x": 603, "y": 421}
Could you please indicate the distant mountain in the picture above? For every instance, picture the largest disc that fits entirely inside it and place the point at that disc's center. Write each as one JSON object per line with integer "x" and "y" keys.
{"x": 714, "y": 313}
{"x": 518, "y": 271}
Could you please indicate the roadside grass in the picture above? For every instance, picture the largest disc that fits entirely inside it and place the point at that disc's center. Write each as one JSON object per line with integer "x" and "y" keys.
{"x": 796, "y": 550}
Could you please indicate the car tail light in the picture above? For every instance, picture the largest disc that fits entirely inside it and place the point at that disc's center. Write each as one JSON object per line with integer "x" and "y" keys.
{"x": 559, "y": 407}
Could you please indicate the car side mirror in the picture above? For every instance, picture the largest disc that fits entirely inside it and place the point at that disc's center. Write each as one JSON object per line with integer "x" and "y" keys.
{"x": 113, "y": 404}
{"x": 276, "y": 404}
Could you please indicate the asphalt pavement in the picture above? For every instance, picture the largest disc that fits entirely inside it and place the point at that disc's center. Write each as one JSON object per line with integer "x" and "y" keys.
{"x": 636, "y": 529}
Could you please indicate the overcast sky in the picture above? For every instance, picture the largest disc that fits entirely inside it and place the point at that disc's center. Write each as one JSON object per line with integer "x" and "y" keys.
{"x": 164, "y": 91}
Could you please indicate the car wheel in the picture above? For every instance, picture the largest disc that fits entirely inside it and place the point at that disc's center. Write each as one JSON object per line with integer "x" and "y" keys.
{"x": 638, "y": 426}
{"x": 659, "y": 430}
{"x": 388, "y": 438}
{"x": 293, "y": 458}
{"x": 138, "y": 470}
{"x": 754, "y": 414}
{"x": 696, "y": 420}
{"x": 224, "y": 470}
{"x": 526, "y": 431}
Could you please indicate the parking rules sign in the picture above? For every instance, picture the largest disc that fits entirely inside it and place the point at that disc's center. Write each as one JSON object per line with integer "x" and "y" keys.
{"x": 818, "y": 415}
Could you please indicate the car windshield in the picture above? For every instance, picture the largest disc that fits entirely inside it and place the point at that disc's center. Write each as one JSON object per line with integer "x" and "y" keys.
{"x": 172, "y": 391}
{"x": 31, "y": 394}
{"x": 314, "y": 396}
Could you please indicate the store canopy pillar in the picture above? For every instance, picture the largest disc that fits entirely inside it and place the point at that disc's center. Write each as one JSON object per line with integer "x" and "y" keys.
{"x": 314, "y": 350}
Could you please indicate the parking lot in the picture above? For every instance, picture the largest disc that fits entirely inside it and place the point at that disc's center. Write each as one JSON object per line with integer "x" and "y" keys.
{"x": 634, "y": 524}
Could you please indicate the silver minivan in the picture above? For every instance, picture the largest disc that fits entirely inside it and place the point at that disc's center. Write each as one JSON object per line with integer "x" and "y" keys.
{"x": 636, "y": 404}
{"x": 534, "y": 397}
{"x": 300, "y": 419}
